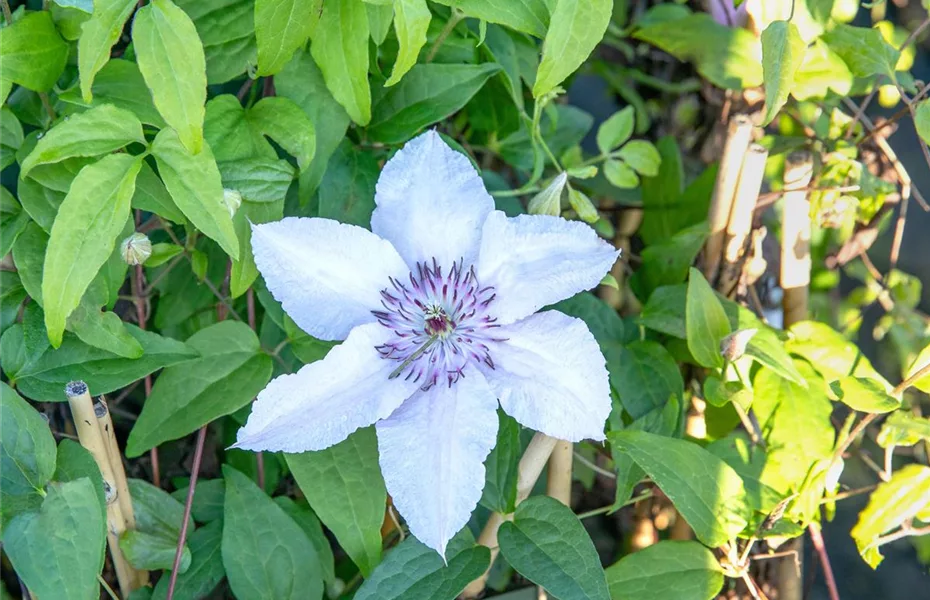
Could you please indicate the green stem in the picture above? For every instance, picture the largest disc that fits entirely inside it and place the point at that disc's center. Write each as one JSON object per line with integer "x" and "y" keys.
{"x": 454, "y": 20}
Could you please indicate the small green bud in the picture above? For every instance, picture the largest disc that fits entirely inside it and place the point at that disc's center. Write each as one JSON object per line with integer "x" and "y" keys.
{"x": 233, "y": 200}
{"x": 549, "y": 201}
{"x": 582, "y": 205}
{"x": 136, "y": 249}
{"x": 733, "y": 346}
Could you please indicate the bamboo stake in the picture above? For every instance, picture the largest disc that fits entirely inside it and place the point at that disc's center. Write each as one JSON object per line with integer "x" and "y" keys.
{"x": 105, "y": 424}
{"x": 529, "y": 470}
{"x": 559, "y": 480}
{"x": 796, "y": 238}
{"x": 739, "y": 133}
{"x": 85, "y": 422}
{"x": 739, "y": 224}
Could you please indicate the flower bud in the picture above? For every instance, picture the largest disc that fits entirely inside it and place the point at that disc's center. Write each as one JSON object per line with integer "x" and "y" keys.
{"x": 136, "y": 249}
{"x": 233, "y": 200}
{"x": 549, "y": 201}
{"x": 733, "y": 346}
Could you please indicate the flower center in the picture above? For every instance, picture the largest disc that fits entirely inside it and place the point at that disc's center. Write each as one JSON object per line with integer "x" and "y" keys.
{"x": 439, "y": 323}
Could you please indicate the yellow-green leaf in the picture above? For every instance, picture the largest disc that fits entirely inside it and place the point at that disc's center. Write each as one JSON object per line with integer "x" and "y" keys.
{"x": 890, "y": 505}
{"x": 706, "y": 322}
{"x": 172, "y": 61}
{"x": 340, "y": 49}
{"x": 411, "y": 20}
{"x": 32, "y": 52}
{"x": 576, "y": 28}
{"x": 281, "y": 27}
{"x": 99, "y": 33}
{"x": 97, "y": 131}
{"x": 194, "y": 182}
{"x": 782, "y": 54}
{"x": 84, "y": 234}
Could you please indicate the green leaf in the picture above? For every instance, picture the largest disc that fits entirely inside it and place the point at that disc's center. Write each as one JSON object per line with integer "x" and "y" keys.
{"x": 32, "y": 51}
{"x": 616, "y": 130}
{"x": 582, "y": 205}
{"x": 669, "y": 570}
{"x": 162, "y": 253}
{"x": 500, "y": 486}
{"x": 152, "y": 196}
{"x": 666, "y": 262}
{"x": 284, "y": 122}
{"x": 281, "y": 27}
{"x": 427, "y": 93}
{"x": 73, "y": 463}
{"x": 347, "y": 193}
{"x": 45, "y": 378}
{"x": 206, "y": 565}
{"x": 642, "y": 156}
{"x": 99, "y": 34}
{"x": 310, "y": 525}
{"x": 227, "y": 30}
{"x": 922, "y": 120}
{"x": 58, "y": 550}
{"x": 834, "y": 355}
{"x": 11, "y": 137}
{"x": 782, "y": 54}
{"x": 903, "y": 428}
{"x": 97, "y": 131}
{"x": 661, "y": 216}
{"x": 864, "y": 50}
{"x": 13, "y": 220}
{"x": 84, "y": 235}
{"x": 340, "y": 49}
{"x": 705, "y": 321}
{"x": 152, "y": 552}
{"x": 196, "y": 186}
{"x": 413, "y": 571}
{"x": 103, "y": 329}
{"x": 575, "y": 29}
{"x": 302, "y": 82}
{"x": 620, "y": 174}
{"x": 749, "y": 461}
{"x": 547, "y": 544}
{"x": 344, "y": 487}
{"x": 380, "y": 17}
{"x": 890, "y": 505}
{"x": 411, "y": 20}
{"x": 707, "y": 492}
{"x": 27, "y": 451}
{"x": 821, "y": 72}
{"x": 645, "y": 376}
{"x": 265, "y": 553}
{"x": 728, "y": 57}
{"x": 209, "y": 495}
{"x": 156, "y": 511}
{"x": 795, "y": 422}
{"x": 863, "y": 394}
{"x": 528, "y": 16}
{"x": 172, "y": 62}
{"x": 230, "y": 373}
{"x": 259, "y": 180}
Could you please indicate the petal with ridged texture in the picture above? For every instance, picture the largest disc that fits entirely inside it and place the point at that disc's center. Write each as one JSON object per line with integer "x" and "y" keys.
{"x": 325, "y": 401}
{"x": 431, "y": 203}
{"x": 327, "y": 275}
{"x": 550, "y": 376}
{"x": 432, "y": 452}
{"x": 533, "y": 261}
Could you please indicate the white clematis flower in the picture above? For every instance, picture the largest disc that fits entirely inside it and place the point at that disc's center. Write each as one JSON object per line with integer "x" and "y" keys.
{"x": 436, "y": 306}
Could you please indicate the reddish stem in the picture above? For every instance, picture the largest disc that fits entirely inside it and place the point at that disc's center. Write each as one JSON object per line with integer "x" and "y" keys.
{"x": 142, "y": 317}
{"x": 821, "y": 549}
{"x": 182, "y": 538}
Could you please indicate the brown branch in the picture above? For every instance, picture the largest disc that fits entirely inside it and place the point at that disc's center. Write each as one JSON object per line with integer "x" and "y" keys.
{"x": 821, "y": 549}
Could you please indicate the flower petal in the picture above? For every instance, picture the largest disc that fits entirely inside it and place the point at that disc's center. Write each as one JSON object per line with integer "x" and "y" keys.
{"x": 432, "y": 452}
{"x": 325, "y": 401}
{"x": 431, "y": 203}
{"x": 550, "y": 376}
{"x": 327, "y": 275}
{"x": 536, "y": 260}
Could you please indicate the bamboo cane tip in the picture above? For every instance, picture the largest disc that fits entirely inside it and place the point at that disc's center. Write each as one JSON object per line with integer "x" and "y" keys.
{"x": 100, "y": 409}
{"x": 75, "y": 388}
